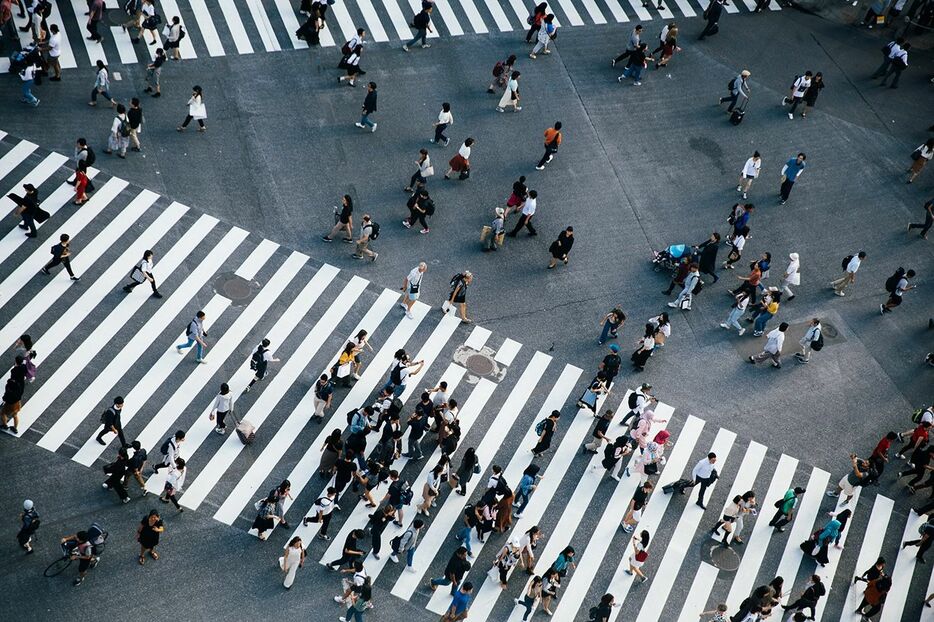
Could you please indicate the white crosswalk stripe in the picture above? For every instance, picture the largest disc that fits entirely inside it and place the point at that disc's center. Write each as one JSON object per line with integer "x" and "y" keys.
{"x": 76, "y": 380}
{"x": 217, "y": 24}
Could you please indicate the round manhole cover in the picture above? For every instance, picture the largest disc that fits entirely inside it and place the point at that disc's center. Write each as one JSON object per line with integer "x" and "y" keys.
{"x": 234, "y": 287}
{"x": 479, "y": 364}
{"x": 830, "y": 331}
{"x": 724, "y": 558}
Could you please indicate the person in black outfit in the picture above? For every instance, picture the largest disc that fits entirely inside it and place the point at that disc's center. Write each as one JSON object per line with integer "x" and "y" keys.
{"x": 707, "y": 259}
{"x": 454, "y": 572}
{"x": 61, "y": 255}
{"x": 808, "y": 600}
{"x": 548, "y": 432}
{"x": 560, "y": 248}
{"x": 919, "y": 460}
{"x": 116, "y": 471}
{"x": 925, "y": 226}
{"x": 351, "y": 551}
{"x": 27, "y": 208}
{"x": 924, "y": 542}
{"x": 112, "y": 423}
{"x": 379, "y": 520}
{"x": 418, "y": 210}
{"x": 346, "y": 467}
{"x": 369, "y": 107}
{"x": 712, "y": 15}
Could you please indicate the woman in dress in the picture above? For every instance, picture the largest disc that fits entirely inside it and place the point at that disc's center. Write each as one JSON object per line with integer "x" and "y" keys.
{"x": 292, "y": 560}
{"x": 330, "y": 452}
{"x": 560, "y": 248}
{"x": 81, "y": 183}
{"x": 511, "y": 94}
{"x": 425, "y": 170}
{"x": 527, "y": 544}
{"x": 504, "y": 516}
{"x": 921, "y": 156}
{"x": 148, "y": 535}
{"x": 430, "y": 490}
{"x": 669, "y": 47}
{"x": 640, "y": 553}
{"x": 646, "y": 345}
{"x": 196, "y": 110}
{"x": 465, "y": 471}
{"x": 460, "y": 163}
{"x": 266, "y": 518}
{"x": 519, "y": 193}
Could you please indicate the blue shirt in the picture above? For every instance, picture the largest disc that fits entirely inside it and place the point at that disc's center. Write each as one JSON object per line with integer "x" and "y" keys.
{"x": 461, "y": 602}
{"x": 794, "y": 169}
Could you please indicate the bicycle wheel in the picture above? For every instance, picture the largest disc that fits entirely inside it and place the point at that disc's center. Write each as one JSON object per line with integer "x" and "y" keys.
{"x": 57, "y": 567}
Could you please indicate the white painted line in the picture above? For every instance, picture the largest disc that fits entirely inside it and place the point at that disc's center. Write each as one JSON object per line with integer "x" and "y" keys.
{"x": 2, "y": 134}
{"x": 206, "y": 26}
{"x": 654, "y": 510}
{"x": 15, "y": 156}
{"x": 478, "y": 337}
{"x": 325, "y": 37}
{"x": 641, "y": 13}
{"x": 664, "y": 12}
{"x": 257, "y": 259}
{"x": 893, "y": 610}
{"x": 124, "y": 46}
{"x": 473, "y": 16}
{"x": 751, "y": 5}
{"x": 618, "y": 14}
{"x": 96, "y": 391}
{"x": 592, "y": 558}
{"x": 522, "y": 12}
{"x": 36, "y": 177}
{"x": 444, "y": 518}
{"x": 33, "y": 309}
{"x": 160, "y": 425}
{"x": 289, "y": 19}
{"x": 927, "y": 613}
{"x": 449, "y": 18}
{"x": 344, "y": 20}
{"x": 594, "y": 11}
{"x": 234, "y": 25}
{"x": 67, "y": 57}
{"x": 696, "y": 602}
{"x": 399, "y": 23}
{"x": 574, "y": 18}
{"x": 95, "y": 50}
{"x": 144, "y": 41}
{"x": 507, "y": 352}
{"x": 744, "y": 481}
{"x": 502, "y": 22}
{"x": 803, "y": 525}
{"x": 869, "y": 551}
{"x": 675, "y": 551}
{"x": 170, "y": 10}
{"x": 773, "y": 6}
{"x": 758, "y": 542}
{"x": 416, "y": 6}
{"x": 833, "y": 554}
{"x": 686, "y": 9}
{"x": 91, "y": 346}
{"x": 29, "y": 268}
{"x": 373, "y": 25}
{"x": 265, "y": 403}
{"x": 263, "y": 26}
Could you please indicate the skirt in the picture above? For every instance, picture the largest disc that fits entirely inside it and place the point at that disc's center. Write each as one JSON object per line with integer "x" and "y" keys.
{"x": 458, "y": 163}
{"x": 506, "y": 99}
{"x": 918, "y": 165}
{"x": 328, "y": 460}
{"x": 115, "y": 142}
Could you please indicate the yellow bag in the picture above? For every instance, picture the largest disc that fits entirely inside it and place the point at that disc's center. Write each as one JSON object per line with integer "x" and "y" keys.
{"x": 500, "y": 238}
{"x": 485, "y": 230}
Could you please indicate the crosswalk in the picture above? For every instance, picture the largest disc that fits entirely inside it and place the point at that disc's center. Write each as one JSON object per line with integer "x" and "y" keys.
{"x": 94, "y": 341}
{"x": 228, "y": 27}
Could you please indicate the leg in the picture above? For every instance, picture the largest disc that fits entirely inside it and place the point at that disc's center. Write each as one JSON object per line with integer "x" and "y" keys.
{"x": 67, "y": 263}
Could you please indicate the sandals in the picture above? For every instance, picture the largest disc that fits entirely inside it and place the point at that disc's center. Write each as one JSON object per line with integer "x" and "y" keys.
{"x": 153, "y": 554}
{"x": 142, "y": 560}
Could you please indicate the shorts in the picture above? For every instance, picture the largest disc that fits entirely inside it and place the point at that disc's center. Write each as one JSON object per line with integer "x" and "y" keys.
{"x": 846, "y": 487}
{"x": 10, "y": 409}
{"x": 83, "y": 565}
{"x": 413, "y": 296}
{"x": 894, "y": 300}
{"x": 637, "y": 515}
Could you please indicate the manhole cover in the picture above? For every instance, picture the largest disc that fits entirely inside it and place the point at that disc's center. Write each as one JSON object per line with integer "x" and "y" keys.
{"x": 479, "y": 364}
{"x": 236, "y": 288}
{"x": 829, "y": 330}
{"x": 724, "y": 558}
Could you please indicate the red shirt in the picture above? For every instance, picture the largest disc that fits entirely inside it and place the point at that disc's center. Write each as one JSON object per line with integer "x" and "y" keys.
{"x": 882, "y": 449}
{"x": 920, "y": 432}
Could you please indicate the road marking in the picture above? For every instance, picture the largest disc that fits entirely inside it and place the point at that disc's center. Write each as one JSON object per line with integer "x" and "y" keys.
{"x": 234, "y": 25}
{"x": 893, "y": 610}
{"x": 473, "y": 16}
{"x": 15, "y": 156}
{"x": 507, "y": 352}
{"x": 696, "y": 602}
{"x": 745, "y": 480}
{"x": 170, "y": 8}
{"x": 266, "y": 33}
{"x": 36, "y": 177}
{"x": 399, "y": 22}
{"x": 869, "y": 551}
{"x": 290, "y": 20}
{"x": 124, "y": 46}
{"x": 502, "y": 22}
{"x": 373, "y": 25}
{"x": 206, "y": 25}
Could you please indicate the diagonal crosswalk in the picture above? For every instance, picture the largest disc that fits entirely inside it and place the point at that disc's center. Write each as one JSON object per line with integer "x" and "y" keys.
{"x": 226, "y": 27}
{"x": 95, "y": 341}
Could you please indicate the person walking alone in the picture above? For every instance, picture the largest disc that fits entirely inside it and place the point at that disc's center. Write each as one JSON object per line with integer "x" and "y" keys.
{"x": 773, "y": 347}
{"x": 343, "y": 221}
{"x": 851, "y": 266}
{"x": 920, "y": 157}
{"x": 61, "y": 254}
{"x": 528, "y": 211}
{"x": 786, "y": 508}
{"x": 119, "y": 138}
{"x": 813, "y": 336}
{"x": 738, "y": 87}
{"x": 422, "y": 24}
{"x": 368, "y": 108}
{"x": 102, "y": 85}
{"x": 411, "y": 286}
{"x": 899, "y": 58}
{"x": 112, "y": 423}
{"x": 29, "y": 524}
{"x": 141, "y": 273}
{"x": 196, "y": 335}
{"x": 712, "y": 14}
{"x": 561, "y": 247}
{"x": 196, "y": 110}
{"x": 511, "y": 94}
{"x": 259, "y": 363}
{"x": 750, "y": 173}
{"x": 147, "y": 534}
{"x": 895, "y": 296}
{"x": 792, "y": 276}
{"x": 134, "y": 116}
{"x": 445, "y": 120}
{"x": 552, "y": 142}
{"x": 928, "y": 220}
{"x": 790, "y": 173}
{"x": 154, "y": 73}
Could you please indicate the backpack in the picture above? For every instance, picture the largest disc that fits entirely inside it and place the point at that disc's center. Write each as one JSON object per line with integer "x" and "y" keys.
{"x": 502, "y": 488}
{"x": 540, "y": 427}
{"x": 131, "y": 6}
{"x": 406, "y": 496}
{"x": 429, "y": 207}
{"x": 107, "y": 416}
{"x": 350, "y": 415}
{"x": 91, "y": 159}
{"x": 698, "y": 288}
{"x": 498, "y": 69}
{"x": 818, "y": 344}
{"x": 632, "y": 402}
{"x": 257, "y": 358}
{"x": 44, "y": 8}
{"x": 374, "y": 230}
{"x": 345, "y": 49}
{"x": 918, "y": 414}
{"x": 395, "y": 376}
{"x": 593, "y": 613}
{"x": 729, "y": 85}
{"x": 846, "y": 261}
{"x": 123, "y": 128}
{"x": 181, "y": 33}
{"x": 164, "y": 449}
{"x": 891, "y": 283}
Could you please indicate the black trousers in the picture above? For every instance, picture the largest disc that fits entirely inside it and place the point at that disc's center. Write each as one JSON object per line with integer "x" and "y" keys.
{"x": 133, "y": 284}
{"x": 439, "y": 132}
{"x": 922, "y": 544}
{"x": 106, "y": 429}
{"x": 704, "y": 484}
{"x": 803, "y": 604}
{"x": 533, "y": 31}
{"x": 785, "y": 190}
{"x": 711, "y": 29}
{"x": 415, "y": 215}
{"x": 925, "y": 226}
{"x": 188, "y": 119}
{"x": 549, "y": 154}
{"x": 60, "y": 260}
{"x": 732, "y": 99}
{"x": 115, "y": 483}
{"x": 623, "y": 56}
{"x": 779, "y": 520}
{"x": 92, "y": 29}
{"x": 30, "y": 224}
{"x": 524, "y": 221}
{"x": 377, "y": 541}
{"x": 897, "y": 69}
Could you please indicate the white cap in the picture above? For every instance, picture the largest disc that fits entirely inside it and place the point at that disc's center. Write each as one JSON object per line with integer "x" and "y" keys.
{"x": 27, "y": 505}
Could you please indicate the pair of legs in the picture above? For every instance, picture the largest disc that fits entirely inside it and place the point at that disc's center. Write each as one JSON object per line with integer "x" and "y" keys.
{"x": 732, "y": 98}
{"x": 422, "y": 35}
{"x": 785, "y": 189}
{"x": 416, "y": 215}
{"x": 840, "y": 285}
{"x": 129, "y": 286}
{"x": 549, "y": 154}
{"x": 94, "y": 93}
{"x": 340, "y": 226}
{"x": 152, "y": 81}
{"x": 524, "y": 221}
{"x": 10, "y": 411}
{"x": 65, "y": 261}
{"x": 192, "y": 342}
{"x": 732, "y": 320}
{"x": 763, "y": 356}
{"x": 188, "y": 119}
{"x": 924, "y": 226}
{"x": 439, "y": 134}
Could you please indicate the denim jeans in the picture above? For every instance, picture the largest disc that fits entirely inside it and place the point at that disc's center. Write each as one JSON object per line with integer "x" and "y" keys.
{"x": 523, "y": 500}
{"x": 415, "y": 447}
{"x": 410, "y": 556}
{"x": 445, "y": 581}
{"x": 464, "y": 536}
{"x": 605, "y": 333}
{"x": 421, "y": 34}
{"x": 354, "y": 614}
{"x": 761, "y": 321}
{"x": 28, "y": 97}
{"x": 192, "y": 342}
{"x": 365, "y": 120}
{"x": 733, "y": 319}
{"x": 104, "y": 93}
{"x": 633, "y": 72}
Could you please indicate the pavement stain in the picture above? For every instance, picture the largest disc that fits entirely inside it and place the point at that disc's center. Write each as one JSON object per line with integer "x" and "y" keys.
{"x": 709, "y": 148}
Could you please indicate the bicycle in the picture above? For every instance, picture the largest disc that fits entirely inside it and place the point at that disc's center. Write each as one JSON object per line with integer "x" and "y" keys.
{"x": 69, "y": 554}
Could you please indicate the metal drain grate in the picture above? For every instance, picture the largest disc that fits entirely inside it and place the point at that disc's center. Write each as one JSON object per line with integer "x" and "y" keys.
{"x": 480, "y": 364}
{"x": 724, "y": 558}
{"x": 236, "y": 288}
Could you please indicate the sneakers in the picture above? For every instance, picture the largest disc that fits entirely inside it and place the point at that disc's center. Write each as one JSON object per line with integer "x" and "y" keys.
{"x": 409, "y": 315}
{"x": 393, "y": 558}
{"x": 500, "y": 109}
{"x": 791, "y": 116}
{"x": 411, "y": 569}
{"x": 426, "y": 45}
{"x": 757, "y": 333}
{"x": 425, "y": 230}
{"x": 882, "y": 309}
{"x": 637, "y": 83}
{"x": 839, "y": 293}
{"x": 744, "y": 195}
{"x": 739, "y": 188}
{"x": 360, "y": 125}
{"x": 406, "y": 224}
{"x": 784, "y": 101}
{"x": 339, "y": 600}
{"x": 219, "y": 431}
{"x": 405, "y": 48}
{"x": 375, "y": 255}
{"x": 374, "y": 127}
{"x": 725, "y": 325}
{"x": 539, "y": 168}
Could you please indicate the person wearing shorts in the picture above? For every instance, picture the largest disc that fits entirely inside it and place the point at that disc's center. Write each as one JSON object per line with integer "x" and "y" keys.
{"x": 411, "y": 287}
{"x": 636, "y": 504}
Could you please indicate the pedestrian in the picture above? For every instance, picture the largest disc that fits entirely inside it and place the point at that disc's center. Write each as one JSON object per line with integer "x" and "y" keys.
{"x": 874, "y": 596}
{"x": 551, "y": 583}
{"x": 28, "y": 78}
{"x": 53, "y": 47}
{"x": 898, "y": 289}
{"x": 812, "y": 337}
{"x": 768, "y": 307}
{"x": 790, "y": 173}
{"x": 350, "y": 553}
{"x": 61, "y": 254}
{"x": 773, "y": 347}
{"x": 928, "y": 220}
{"x": 112, "y": 423}
{"x": 459, "y": 608}
{"x": 918, "y": 439}
{"x": 196, "y": 335}
{"x": 926, "y": 530}
{"x": 343, "y": 221}
{"x": 707, "y": 255}
{"x": 411, "y": 287}
{"x": 445, "y": 120}
{"x": 636, "y": 64}
{"x": 640, "y": 553}
{"x": 525, "y": 219}
{"x": 810, "y": 95}
{"x": 134, "y": 123}
{"x": 851, "y": 264}
{"x": 552, "y": 142}
{"x": 368, "y": 108}
{"x": 174, "y": 38}
{"x": 422, "y": 25}
{"x": 196, "y": 110}
{"x": 170, "y": 450}
{"x": 133, "y": 8}
{"x": 266, "y": 517}
{"x": 154, "y": 73}
{"x": 82, "y": 184}
{"x": 592, "y": 393}
{"x": 460, "y": 163}
{"x": 691, "y": 281}
{"x": 738, "y": 87}
{"x": 599, "y": 433}
{"x": 430, "y": 491}
{"x": 887, "y": 50}
{"x": 151, "y": 21}
{"x": 792, "y": 276}
{"x": 148, "y": 533}
{"x": 23, "y": 348}
{"x": 101, "y": 84}
{"x": 854, "y": 478}
{"x": 920, "y": 156}
{"x": 321, "y": 510}
{"x": 469, "y": 466}
{"x": 531, "y": 595}
{"x": 669, "y": 46}
{"x": 546, "y": 429}
{"x": 223, "y": 405}
{"x": 419, "y": 204}
{"x": 407, "y": 543}
{"x": 712, "y": 14}
{"x": 425, "y": 170}
{"x": 796, "y": 94}
{"x": 501, "y": 72}
{"x": 611, "y": 323}
{"x": 519, "y": 193}
{"x": 292, "y": 559}
{"x": 141, "y": 273}
{"x": 510, "y": 94}
{"x": 808, "y": 599}
{"x": 456, "y": 569}
{"x": 565, "y": 561}
{"x": 135, "y": 466}
{"x": 874, "y": 572}
{"x": 259, "y": 362}
{"x": 417, "y": 424}
{"x": 899, "y": 58}
{"x": 27, "y": 208}
{"x": 719, "y": 614}
{"x": 560, "y": 248}
{"x": 119, "y": 138}
{"x": 633, "y": 513}
{"x": 495, "y": 232}
{"x": 646, "y": 346}
{"x": 95, "y": 17}
{"x": 603, "y": 611}
{"x": 116, "y": 472}
{"x": 749, "y": 174}
{"x": 635, "y": 39}
{"x": 535, "y": 20}
{"x": 29, "y": 524}
{"x": 174, "y": 483}
{"x": 457, "y": 298}
{"x": 786, "y": 508}
{"x": 546, "y": 34}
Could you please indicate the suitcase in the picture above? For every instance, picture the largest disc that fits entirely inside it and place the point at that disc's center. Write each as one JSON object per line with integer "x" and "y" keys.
{"x": 679, "y": 485}
{"x": 736, "y": 117}
{"x": 246, "y": 431}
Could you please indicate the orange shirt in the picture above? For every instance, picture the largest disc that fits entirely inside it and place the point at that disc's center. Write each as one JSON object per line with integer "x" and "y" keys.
{"x": 552, "y": 135}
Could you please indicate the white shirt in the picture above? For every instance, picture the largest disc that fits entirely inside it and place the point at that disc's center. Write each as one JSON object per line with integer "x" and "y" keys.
{"x": 512, "y": 85}
{"x": 739, "y": 242}
{"x": 702, "y": 470}
{"x": 528, "y": 208}
{"x": 222, "y": 403}
{"x": 325, "y": 505}
{"x": 791, "y": 272}
{"x": 742, "y": 303}
{"x": 811, "y": 334}
{"x": 55, "y": 45}
{"x": 146, "y": 266}
{"x": 853, "y": 266}
{"x": 801, "y": 85}
{"x": 901, "y": 287}
{"x": 440, "y": 397}
{"x": 148, "y": 10}
{"x": 902, "y": 54}
{"x": 176, "y": 477}
{"x": 776, "y": 339}
{"x": 664, "y": 34}
{"x": 751, "y": 168}
{"x": 464, "y": 152}
{"x": 448, "y": 118}
{"x": 414, "y": 277}
{"x": 120, "y": 118}
{"x": 28, "y": 73}
{"x": 642, "y": 401}
{"x": 664, "y": 329}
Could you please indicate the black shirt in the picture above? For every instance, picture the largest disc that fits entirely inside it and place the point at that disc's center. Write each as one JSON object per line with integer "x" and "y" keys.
{"x": 369, "y": 102}
{"x": 456, "y": 567}
{"x": 611, "y": 363}
{"x": 602, "y": 426}
{"x": 639, "y": 498}
{"x": 346, "y": 211}
{"x": 135, "y": 117}
{"x": 345, "y": 469}
{"x": 350, "y": 544}
{"x": 637, "y": 59}
{"x": 417, "y": 427}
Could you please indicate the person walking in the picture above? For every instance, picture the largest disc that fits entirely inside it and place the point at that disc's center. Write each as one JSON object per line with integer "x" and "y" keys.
{"x": 147, "y": 534}
{"x": 445, "y": 120}
{"x": 27, "y": 208}
{"x": 460, "y": 163}
{"x": 134, "y": 116}
{"x": 786, "y": 508}
{"x": 531, "y": 596}
{"x": 407, "y": 543}
{"x": 790, "y": 173}
{"x": 646, "y": 346}
{"x": 525, "y": 219}
{"x": 511, "y": 94}
{"x": 920, "y": 157}
{"x": 61, "y": 254}
{"x": 321, "y": 511}
{"x": 552, "y": 142}
{"x": 28, "y": 78}
{"x": 792, "y": 276}
{"x": 887, "y": 50}
{"x": 633, "y": 513}
{"x": 810, "y": 95}
{"x": 369, "y": 231}
{"x": 343, "y": 221}
{"x": 196, "y": 110}
{"x": 808, "y": 599}
{"x": 640, "y": 553}
{"x": 174, "y": 483}
{"x": 29, "y": 524}
{"x": 142, "y": 273}
{"x": 561, "y": 247}
{"x": 95, "y": 17}
{"x": 812, "y": 337}
{"x": 712, "y": 14}
{"x": 773, "y": 347}
{"x": 223, "y": 405}
{"x": 926, "y": 530}
{"x": 546, "y": 34}
{"x": 425, "y": 170}
{"x": 899, "y": 58}
{"x": 150, "y": 23}
{"x": 196, "y": 335}
{"x": 154, "y": 74}
{"x": 636, "y": 64}
{"x": 501, "y": 72}
{"x": 119, "y": 138}
{"x": 174, "y": 39}
{"x": 53, "y": 53}
{"x": 738, "y": 87}
{"x": 599, "y": 433}
{"x": 411, "y": 288}
{"x": 546, "y": 429}
{"x": 455, "y": 571}
{"x": 895, "y": 295}
{"x": 351, "y": 64}
{"x": 635, "y": 40}
{"x": 459, "y": 608}
{"x": 457, "y": 298}
{"x": 535, "y": 20}
{"x": 112, "y": 423}
{"x": 611, "y": 323}
{"x": 292, "y": 559}
{"x": 102, "y": 85}
{"x": 368, "y": 108}
{"x": 851, "y": 264}
{"x": 669, "y": 46}
{"x": 749, "y": 174}
{"x": 116, "y": 472}
{"x": 259, "y": 362}
{"x": 691, "y": 281}
{"x": 422, "y": 25}
{"x": 874, "y": 597}
{"x": 419, "y": 204}
{"x": 493, "y": 238}
{"x": 135, "y": 466}
{"x": 928, "y": 220}
{"x": 170, "y": 450}
{"x": 707, "y": 255}
{"x": 796, "y": 95}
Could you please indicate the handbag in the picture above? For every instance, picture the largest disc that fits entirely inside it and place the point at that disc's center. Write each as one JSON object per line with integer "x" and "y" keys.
{"x": 651, "y": 468}
{"x": 343, "y": 371}
{"x": 446, "y": 307}
{"x": 429, "y": 171}
{"x": 485, "y": 230}
{"x": 916, "y": 154}
{"x": 476, "y": 469}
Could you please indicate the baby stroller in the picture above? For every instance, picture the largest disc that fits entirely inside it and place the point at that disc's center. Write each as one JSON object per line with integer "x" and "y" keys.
{"x": 669, "y": 258}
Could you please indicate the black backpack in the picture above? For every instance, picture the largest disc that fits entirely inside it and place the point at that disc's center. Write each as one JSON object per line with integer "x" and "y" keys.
{"x": 891, "y": 283}
{"x": 633, "y": 400}
{"x": 374, "y": 230}
{"x": 181, "y": 33}
{"x": 540, "y": 427}
{"x": 257, "y": 358}
{"x": 107, "y": 416}
{"x": 395, "y": 376}
{"x": 131, "y": 6}
{"x": 165, "y": 446}
{"x": 91, "y": 159}
{"x": 818, "y": 344}
{"x": 846, "y": 261}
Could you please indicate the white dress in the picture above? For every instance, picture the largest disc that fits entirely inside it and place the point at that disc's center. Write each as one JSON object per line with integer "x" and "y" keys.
{"x": 290, "y": 561}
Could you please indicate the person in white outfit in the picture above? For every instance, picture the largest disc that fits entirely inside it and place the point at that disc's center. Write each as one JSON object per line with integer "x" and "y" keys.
{"x": 684, "y": 299}
{"x": 773, "y": 347}
{"x": 750, "y": 173}
{"x": 792, "y": 276}
{"x": 812, "y": 335}
{"x": 292, "y": 559}
{"x": 737, "y": 309}
{"x": 196, "y": 110}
